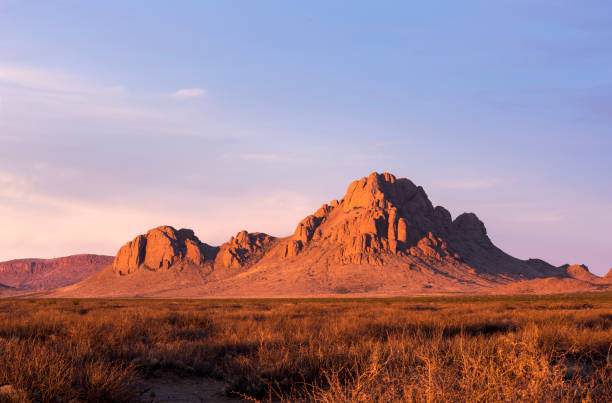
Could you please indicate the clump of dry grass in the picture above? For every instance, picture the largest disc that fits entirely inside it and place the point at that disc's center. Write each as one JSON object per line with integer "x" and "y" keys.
{"x": 429, "y": 349}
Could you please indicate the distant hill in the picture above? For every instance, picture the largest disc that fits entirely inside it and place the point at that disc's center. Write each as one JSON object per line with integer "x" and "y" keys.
{"x": 384, "y": 237}
{"x": 45, "y": 274}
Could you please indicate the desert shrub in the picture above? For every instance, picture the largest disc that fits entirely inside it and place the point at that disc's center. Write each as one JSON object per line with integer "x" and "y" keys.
{"x": 425, "y": 349}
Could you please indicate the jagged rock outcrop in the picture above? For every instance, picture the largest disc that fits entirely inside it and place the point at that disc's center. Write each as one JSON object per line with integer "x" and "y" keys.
{"x": 165, "y": 247}
{"x": 242, "y": 250}
{"x": 162, "y": 248}
{"x": 379, "y": 214}
{"x": 579, "y": 272}
{"x": 540, "y": 265}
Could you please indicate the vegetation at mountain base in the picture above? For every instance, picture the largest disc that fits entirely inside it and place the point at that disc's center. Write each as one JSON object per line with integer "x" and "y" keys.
{"x": 486, "y": 348}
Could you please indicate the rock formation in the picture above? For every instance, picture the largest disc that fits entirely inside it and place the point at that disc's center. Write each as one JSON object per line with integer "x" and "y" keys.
{"x": 378, "y": 215}
{"x": 579, "y": 272}
{"x": 243, "y": 249}
{"x": 382, "y": 215}
{"x": 384, "y": 236}
{"x": 162, "y": 248}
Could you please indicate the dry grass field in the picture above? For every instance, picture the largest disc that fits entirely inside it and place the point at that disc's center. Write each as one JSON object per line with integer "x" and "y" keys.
{"x": 520, "y": 348}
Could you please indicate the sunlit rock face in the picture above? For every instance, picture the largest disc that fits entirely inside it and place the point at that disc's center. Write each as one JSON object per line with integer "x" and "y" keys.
{"x": 242, "y": 250}
{"x": 160, "y": 249}
{"x": 378, "y": 214}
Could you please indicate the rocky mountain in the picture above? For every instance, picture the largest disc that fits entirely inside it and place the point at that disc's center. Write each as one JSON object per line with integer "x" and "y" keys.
{"x": 383, "y": 237}
{"x": 580, "y": 272}
{"x": 44, "y": 274}
{"x": 607, "y": 278}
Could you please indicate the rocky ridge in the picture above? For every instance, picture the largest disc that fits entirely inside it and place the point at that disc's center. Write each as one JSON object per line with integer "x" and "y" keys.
{"x": 579, "y": 272}
{"x": 165, "y": 247}
{"x": 38, "y": 274}
{"x": 162, "y": 248}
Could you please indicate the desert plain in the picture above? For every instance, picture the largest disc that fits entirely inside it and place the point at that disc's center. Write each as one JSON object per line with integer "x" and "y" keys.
{"x": 435, "y": 349}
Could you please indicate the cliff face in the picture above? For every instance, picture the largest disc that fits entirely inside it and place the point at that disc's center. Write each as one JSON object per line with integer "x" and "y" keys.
{"x": 243, "y": 250}
{"x": 165, "y": 247}
{"x": 378, "y": 215}
{"x": 40, "y": 274}
{"x": 162, "y": 248}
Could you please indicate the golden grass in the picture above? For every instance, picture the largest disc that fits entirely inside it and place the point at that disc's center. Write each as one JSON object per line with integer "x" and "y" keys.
{"x": 554, "y": 348}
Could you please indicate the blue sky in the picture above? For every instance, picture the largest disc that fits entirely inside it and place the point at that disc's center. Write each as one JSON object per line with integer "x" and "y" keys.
{"x": 222, "y": 116}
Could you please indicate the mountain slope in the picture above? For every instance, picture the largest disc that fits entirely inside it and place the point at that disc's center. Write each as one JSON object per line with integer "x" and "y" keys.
{"x": 6, "y": 290}
{"x": 383, "y": 237}
{"x": 42, "y": 274}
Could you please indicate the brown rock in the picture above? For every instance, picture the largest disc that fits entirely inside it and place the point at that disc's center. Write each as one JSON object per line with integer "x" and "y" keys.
{"x": 160, "y": 249}
{"x": 433, "y": 247}
{"x": 306, "y": 228}
{"x": 130, "y": 256}
{"x": 469, "y": 226}
{"x": 580, "y": 272}
{"x": 292, "y": 248}
{"x": 378, "y": 214}
{"x": 243, "y": 249}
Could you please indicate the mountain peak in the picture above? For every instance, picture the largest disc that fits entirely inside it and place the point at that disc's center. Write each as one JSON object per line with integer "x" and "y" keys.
{"x": 161, "y": 248}
{"x": 579, "y": 271}
{"x": 380, "y": 214}
{"x": 380, "y": 190}
{"x": 470, "y": 225}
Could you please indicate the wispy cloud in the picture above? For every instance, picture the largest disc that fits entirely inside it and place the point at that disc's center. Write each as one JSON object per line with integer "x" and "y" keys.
{"x": 38, "y": 79}
{"x": 31, "y": 97}
{"x": 189, "y": 93}
{"x": 267, "y": 157}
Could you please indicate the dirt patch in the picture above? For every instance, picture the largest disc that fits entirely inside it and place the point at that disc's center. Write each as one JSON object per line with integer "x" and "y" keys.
{"x": 172, "y": 388}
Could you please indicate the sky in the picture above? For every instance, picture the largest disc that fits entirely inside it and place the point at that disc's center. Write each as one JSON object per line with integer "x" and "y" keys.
{"x": 116, "y": 117}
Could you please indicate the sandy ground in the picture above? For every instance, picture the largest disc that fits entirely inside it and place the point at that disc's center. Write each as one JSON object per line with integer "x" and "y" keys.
{"x": 172, "y": 388}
